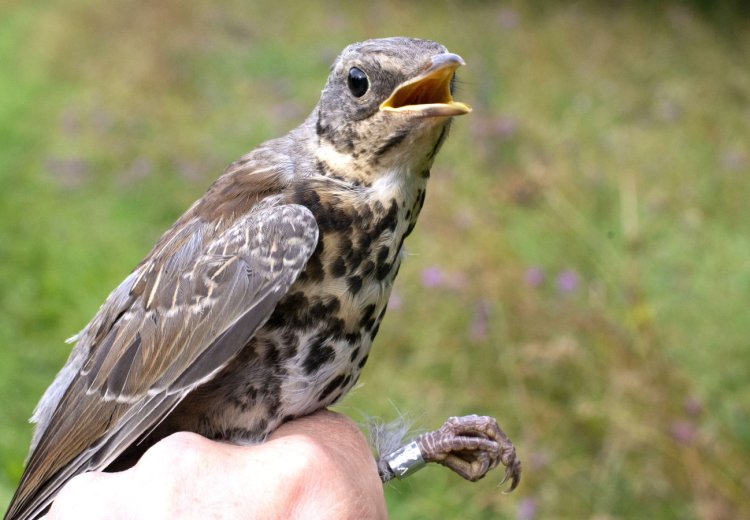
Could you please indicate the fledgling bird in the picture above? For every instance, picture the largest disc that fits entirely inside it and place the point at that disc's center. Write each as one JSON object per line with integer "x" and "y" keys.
{"x": 261, "y": 302}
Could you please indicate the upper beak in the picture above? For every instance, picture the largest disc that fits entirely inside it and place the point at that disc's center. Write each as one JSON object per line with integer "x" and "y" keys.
{"x": 429, "y": 94}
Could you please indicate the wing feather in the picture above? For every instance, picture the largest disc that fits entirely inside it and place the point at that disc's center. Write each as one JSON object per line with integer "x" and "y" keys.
{"x": 183, "y": 319}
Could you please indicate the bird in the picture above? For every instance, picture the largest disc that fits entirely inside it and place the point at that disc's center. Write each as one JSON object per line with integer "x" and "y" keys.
{"x": 261, "y": 302}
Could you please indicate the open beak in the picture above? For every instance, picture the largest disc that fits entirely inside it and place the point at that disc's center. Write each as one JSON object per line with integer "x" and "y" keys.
{"x": 429, "y": 94}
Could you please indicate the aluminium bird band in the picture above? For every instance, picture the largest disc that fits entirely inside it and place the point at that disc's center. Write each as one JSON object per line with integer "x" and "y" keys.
{"x": 405, "y": 460}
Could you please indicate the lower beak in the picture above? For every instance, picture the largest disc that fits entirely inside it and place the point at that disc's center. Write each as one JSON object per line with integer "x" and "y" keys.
{"x": 429, "y": 94}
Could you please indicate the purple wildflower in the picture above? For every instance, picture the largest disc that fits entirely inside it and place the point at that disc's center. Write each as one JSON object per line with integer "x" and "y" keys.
{"x": 433, "y": 277}
{"x": 527, "y": 509}
{"x": 567, "y": 281}
{"x": 534, "y": 276}
{"x": 683, "y": 432}
{"x": 693, "y": 406}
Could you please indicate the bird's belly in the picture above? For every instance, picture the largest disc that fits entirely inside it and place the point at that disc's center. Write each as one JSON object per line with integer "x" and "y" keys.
{"x": 308, "y": 355}
{"x": 331, "y": 352}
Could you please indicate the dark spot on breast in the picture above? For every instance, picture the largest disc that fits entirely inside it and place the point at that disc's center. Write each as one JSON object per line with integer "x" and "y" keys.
{"x": 272, "y": 396}
{"x": 367, "y": 315}
{"x": 271, "y": 354}
{"x": 338, "y": 267}
{"x": 420, "y": 200}
{"x": 408, "y": 231}
{"x": 335, "y": 328}
{"x": 289, "y": 342}
{"x": 382, "y": 272}
{"x": 354, "y": 257}
{"x": 364, "y": 242}
{"x": 332, "y": 217}
{"x": 352, "y": 338}
{"x": 290, "y": 311}
{"x": 330, "y": 387}
{"x": 425, "y": 174}
{"x": 252, "y": 393}
{"x": 401, "y": 242}
{"x": 319, "y": 355}
{"x": 389, "y": 221}
{"x": 383, "y": 254}
{"x": 376, "y": 326}
{"x": 363, "y": 361}
{"x": 345, "y": 245}
{"x": 364, "y": 214}
{"x": 307, "y": 197}
{"x": 374, "y": 331}
{"x": 367, "y": 269}
{"x": 321, "y": 309}
{"x": 314, "y": 268}
{"x": 354, "y": 355}
{"x": 337, "y": 220}
{"x": 320, "y": 168}
{"x": 242, "y": 404}
{"x": 418, "y": 203}
{"x": 354, "y": 283}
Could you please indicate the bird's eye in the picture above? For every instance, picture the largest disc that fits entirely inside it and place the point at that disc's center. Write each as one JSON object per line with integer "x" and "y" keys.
{"x": 358, "y": 82}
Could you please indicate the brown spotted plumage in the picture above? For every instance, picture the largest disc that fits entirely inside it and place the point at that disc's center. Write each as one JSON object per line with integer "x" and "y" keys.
{"x": 261, "y": 302}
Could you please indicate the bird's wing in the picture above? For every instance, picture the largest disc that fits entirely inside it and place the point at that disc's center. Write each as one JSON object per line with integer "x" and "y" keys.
{"x": 180, "y": 322}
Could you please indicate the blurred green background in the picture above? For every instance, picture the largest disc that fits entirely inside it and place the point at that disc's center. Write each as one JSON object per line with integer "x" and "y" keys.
{"x": 581, "y": 270}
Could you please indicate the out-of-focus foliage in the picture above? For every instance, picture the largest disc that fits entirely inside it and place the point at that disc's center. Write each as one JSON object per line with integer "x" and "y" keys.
{"x": 581, "y": 270}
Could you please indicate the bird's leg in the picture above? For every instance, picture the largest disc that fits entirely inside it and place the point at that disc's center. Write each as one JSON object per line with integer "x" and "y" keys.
{"x": 471, "y": 446}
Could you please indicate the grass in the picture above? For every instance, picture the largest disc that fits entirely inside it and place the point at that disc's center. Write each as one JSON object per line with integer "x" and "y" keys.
{"x": 580, "y": 269}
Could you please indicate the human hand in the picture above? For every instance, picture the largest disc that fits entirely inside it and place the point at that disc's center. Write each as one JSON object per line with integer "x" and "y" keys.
{"x": 314, "y": 467}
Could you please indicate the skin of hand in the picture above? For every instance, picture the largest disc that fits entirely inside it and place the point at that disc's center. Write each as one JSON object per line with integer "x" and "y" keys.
{"x": 318, "y": 466}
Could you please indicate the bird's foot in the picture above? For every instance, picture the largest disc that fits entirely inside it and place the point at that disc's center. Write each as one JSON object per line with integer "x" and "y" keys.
{"x": 471, "y": 446}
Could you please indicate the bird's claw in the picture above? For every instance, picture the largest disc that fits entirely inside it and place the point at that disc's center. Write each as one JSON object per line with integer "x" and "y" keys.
{"x": 471, "y": 446}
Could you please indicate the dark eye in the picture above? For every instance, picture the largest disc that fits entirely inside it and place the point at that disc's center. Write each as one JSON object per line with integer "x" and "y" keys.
{"x": 358, "y": 82}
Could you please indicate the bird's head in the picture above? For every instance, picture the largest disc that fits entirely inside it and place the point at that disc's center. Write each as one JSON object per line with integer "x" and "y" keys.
{"x": 389, "y": 101}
